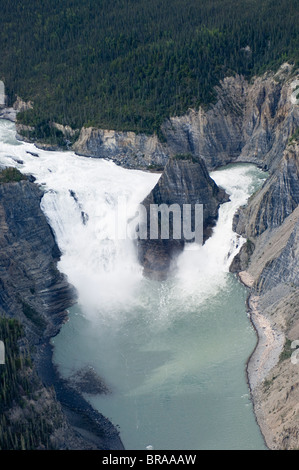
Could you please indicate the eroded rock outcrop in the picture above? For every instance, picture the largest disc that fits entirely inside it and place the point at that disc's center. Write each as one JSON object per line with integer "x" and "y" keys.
{"x": 183, "y": 181}
{"x": 125, "y": 148}
{"x": 249, "y": 122}
{"x": 275, "y": 201}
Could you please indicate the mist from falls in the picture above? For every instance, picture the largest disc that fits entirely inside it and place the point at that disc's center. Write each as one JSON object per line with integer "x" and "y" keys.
{"x": 172, "y": 354}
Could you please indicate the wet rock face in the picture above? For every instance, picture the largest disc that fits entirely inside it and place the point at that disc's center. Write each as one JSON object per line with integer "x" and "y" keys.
{"x": 184, "y": 181}
{"x": 31, "y": 287}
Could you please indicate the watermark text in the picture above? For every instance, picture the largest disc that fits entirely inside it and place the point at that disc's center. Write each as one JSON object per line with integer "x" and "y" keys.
{"x": 2, "y": 352}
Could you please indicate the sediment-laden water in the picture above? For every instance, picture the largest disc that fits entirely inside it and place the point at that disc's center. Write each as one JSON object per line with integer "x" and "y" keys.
{"x": 172, "y": 354}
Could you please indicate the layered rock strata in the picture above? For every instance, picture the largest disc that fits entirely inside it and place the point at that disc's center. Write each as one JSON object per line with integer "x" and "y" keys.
{"x": 271, "y": 224}
{"x": 36, "y": 294}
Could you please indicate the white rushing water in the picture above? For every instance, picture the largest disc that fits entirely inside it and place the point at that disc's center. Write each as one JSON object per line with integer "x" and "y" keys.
{"x": 171, "y": 353}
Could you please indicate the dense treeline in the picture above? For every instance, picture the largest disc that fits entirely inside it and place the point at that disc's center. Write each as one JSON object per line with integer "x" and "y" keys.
{"x": 128, "y": 64}
{"x": 24, "y": 423}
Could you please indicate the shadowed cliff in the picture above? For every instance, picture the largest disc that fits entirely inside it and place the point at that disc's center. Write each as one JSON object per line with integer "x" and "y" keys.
{"x": 183, "y": 181}
{"x": 34, "y": 297}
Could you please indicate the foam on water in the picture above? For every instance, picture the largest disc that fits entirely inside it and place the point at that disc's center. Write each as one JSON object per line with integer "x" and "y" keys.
{"x": 166, "y": 349}
{"x": 81, "y": 205}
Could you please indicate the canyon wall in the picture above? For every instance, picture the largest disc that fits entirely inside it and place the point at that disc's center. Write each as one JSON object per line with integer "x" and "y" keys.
{"x": 36, "y": 295}
{"x": 270, "y": 222}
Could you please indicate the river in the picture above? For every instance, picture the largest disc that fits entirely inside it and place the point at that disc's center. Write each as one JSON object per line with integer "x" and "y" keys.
{"x": 172, "y": 354}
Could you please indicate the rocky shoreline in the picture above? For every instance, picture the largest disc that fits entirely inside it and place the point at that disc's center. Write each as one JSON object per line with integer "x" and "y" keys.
{"x": 95, "y": 430}
{"x": 264, "y": 356}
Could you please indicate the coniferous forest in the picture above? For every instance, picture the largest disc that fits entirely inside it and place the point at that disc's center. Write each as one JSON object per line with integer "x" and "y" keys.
{"x": 26, "y": 418}
{"x": 129, "y": 64}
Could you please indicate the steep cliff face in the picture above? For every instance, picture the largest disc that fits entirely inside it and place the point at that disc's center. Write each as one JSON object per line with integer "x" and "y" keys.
{"x": 249, "y": 122}
{"x": 268, "y": 262}
{"x": 183, "y": 181}
{"x": 271, "y": 223}
{"x": 28, "y": 256}
{"x": 276, "y": 200}
{"x": 125, "y": 148}
{"x": 36, "y": 295}
{"x": 273, "y": 374}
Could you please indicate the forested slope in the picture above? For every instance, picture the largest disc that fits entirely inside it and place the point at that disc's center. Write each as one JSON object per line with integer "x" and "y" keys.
{"x": 128, "y": 64}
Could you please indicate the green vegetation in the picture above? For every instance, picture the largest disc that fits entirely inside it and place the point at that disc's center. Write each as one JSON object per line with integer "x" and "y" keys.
{"x": 268, "y": 382}
{"x": 185, "y": 156}
{"x": 155, "y": 168}
{"x": 11, "y": 175}
{"x": 287, "y": 351}
{"x": 295, "y": 136}
{"x": 24, "y": 423}
{"x": 46, "y": 132}
{"x": 33, "y": 315}
{"x": 10, "y": 332}
{"x": 249, "y": 246}
{"x": 129, "y": 64}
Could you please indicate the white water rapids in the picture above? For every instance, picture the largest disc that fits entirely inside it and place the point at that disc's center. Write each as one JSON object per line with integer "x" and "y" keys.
{"x": 172, "y": 353}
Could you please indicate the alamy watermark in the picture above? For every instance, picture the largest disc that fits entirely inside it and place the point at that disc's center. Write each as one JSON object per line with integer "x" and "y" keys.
{"x": 2, "y": 353}
{"x": 165, "y": 222}
{"x": 294, "y": 356}
{"x": 2, "y": 94}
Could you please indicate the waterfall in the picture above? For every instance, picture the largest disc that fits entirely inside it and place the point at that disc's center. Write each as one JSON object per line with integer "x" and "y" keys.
{"x": 172, "y": 354}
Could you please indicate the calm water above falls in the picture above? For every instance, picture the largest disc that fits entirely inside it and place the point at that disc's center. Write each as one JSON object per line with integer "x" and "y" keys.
{"x": 172, "y": 354}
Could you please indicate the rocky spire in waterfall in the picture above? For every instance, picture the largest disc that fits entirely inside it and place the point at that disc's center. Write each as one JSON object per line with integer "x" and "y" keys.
{"x": 185, "y": 180}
